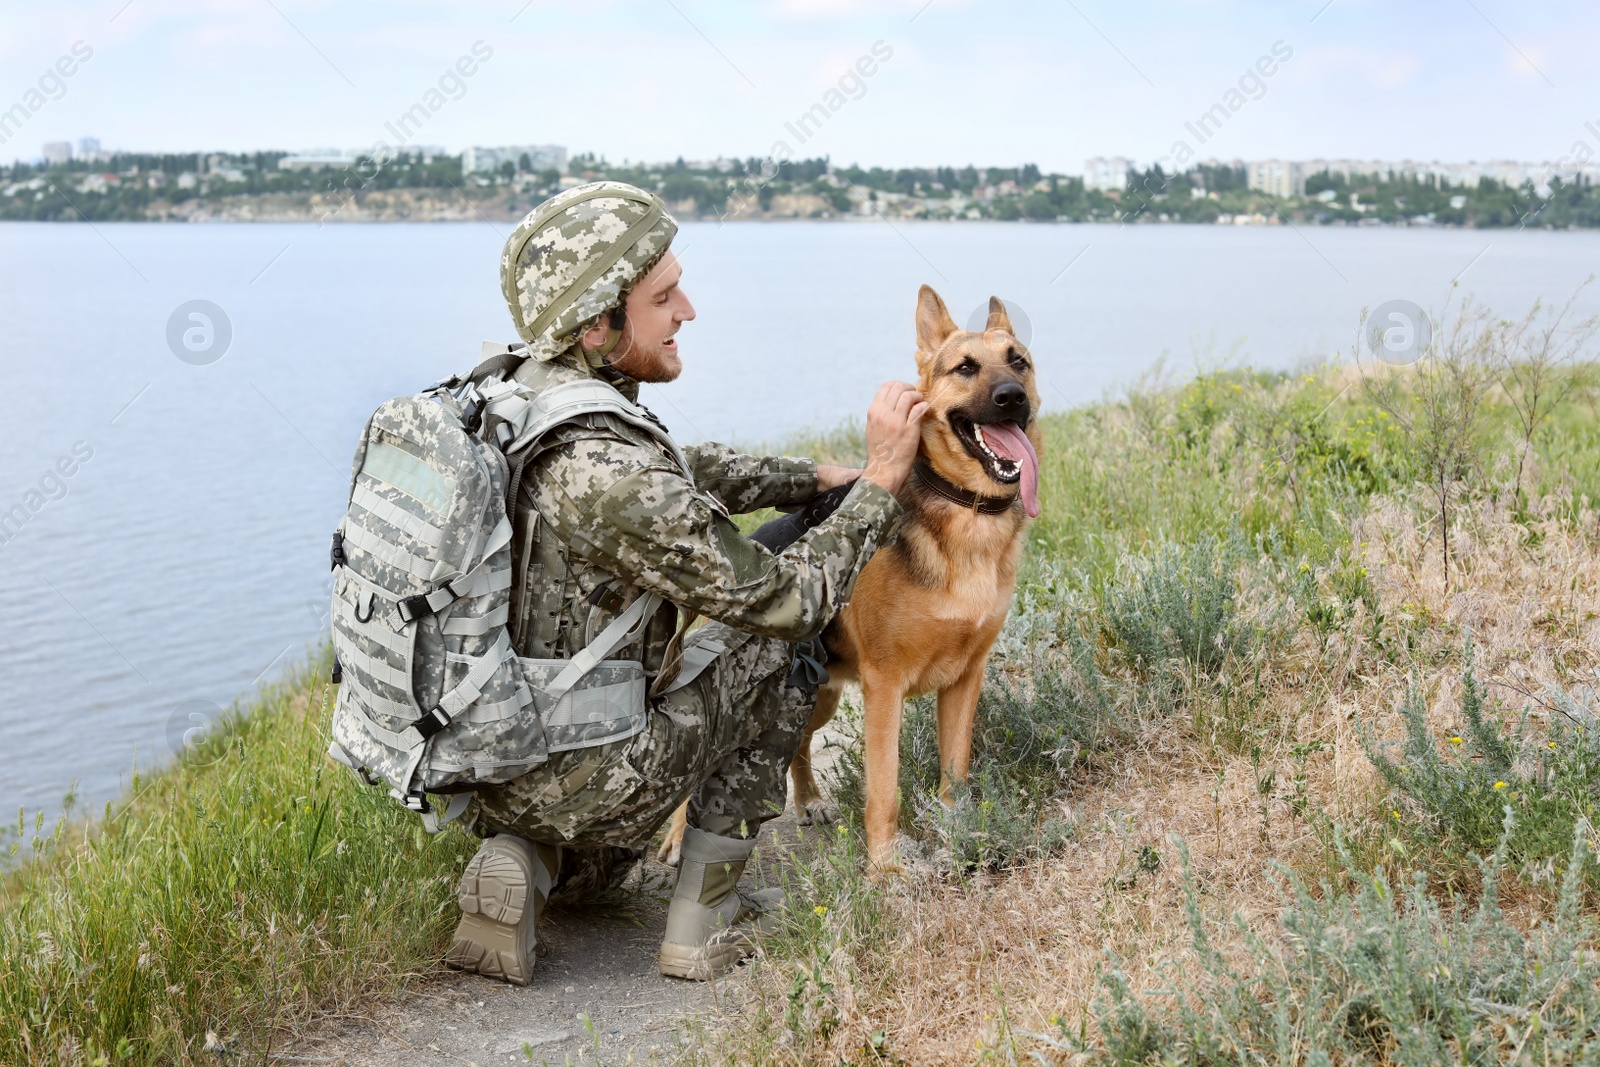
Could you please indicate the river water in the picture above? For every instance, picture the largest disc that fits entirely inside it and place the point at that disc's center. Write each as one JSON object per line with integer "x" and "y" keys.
{"x": 170, "y": 551}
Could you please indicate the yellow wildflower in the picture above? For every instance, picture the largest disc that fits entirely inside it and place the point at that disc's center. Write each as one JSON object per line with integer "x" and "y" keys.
{"x": 1501, "y": 785}
{"x": 1455, "y": 740}
{"x": 821, "y": 909}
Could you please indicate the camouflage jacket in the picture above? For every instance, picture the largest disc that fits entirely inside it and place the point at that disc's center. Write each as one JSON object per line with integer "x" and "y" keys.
{"x": 604, "y": 512}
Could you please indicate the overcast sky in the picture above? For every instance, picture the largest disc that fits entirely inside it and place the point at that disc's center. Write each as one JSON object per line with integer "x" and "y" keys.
{"x": 1002, "y": 82}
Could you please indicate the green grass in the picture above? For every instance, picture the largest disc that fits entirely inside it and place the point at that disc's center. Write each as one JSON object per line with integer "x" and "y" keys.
{"x": 1189, "y": 532}
{"x": 1453, "y": 792}
{"x": 1193, "y": 554}
{"x": 1385, "y": 974}
{"x": 239, "y": 892}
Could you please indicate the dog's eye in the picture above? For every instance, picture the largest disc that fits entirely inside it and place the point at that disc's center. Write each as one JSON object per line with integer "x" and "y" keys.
{"x": 967, "y": 368}
{"x": 1017, "y": 359}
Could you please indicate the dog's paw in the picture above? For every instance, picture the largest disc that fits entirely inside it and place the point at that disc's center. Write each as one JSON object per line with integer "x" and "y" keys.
{"x": 819, "y": 812}
{"x": 886, "y": 872}
{"x": 671, "y": 849}
{"x": 887, "y": 865}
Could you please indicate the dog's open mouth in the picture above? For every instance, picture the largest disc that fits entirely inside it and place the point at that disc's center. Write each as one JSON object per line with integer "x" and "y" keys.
{"x": 1004, "y": 452}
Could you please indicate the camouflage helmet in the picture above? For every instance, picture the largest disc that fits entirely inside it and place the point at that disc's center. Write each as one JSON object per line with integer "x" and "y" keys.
{"x": 574, "y": 258}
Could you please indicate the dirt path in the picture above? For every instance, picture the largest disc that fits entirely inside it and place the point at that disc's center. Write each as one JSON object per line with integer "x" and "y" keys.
{"x": 600, "y": 966}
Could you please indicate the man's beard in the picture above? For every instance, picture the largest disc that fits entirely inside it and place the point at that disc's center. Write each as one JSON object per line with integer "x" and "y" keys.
{"x": 656, "y": 368}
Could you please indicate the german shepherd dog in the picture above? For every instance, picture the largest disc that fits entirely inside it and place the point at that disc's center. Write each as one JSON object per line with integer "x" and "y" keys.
{"x": 926, "y": 611}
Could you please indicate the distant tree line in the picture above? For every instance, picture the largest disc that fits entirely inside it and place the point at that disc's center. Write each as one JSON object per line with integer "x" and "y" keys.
{"x": 146, "y": 185}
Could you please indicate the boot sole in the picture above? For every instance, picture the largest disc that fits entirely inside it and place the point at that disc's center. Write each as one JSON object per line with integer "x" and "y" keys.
{"x": 491, "y": 938}
{"x": 701, "y": 964}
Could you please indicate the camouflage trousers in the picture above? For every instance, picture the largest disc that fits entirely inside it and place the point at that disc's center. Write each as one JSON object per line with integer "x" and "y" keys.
{"x": 724, "y": 741}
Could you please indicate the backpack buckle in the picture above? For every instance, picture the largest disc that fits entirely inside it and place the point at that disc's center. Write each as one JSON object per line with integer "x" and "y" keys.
{"x": 336, "y": 552}
{"x": 472, "y": 410}
{"x": 412, "y": 608}
{"x": 432, "y": 723}
{"x": 421, "y": 605}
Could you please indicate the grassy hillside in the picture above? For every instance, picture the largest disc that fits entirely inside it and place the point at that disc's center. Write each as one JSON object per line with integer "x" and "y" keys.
{"x": 237, "y": 893}
{"x": 1259, "y": 778}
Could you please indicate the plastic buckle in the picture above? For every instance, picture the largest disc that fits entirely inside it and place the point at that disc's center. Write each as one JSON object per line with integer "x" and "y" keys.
{"x": 412, "y": 608}
{"x": 418, "y": 803}
{"x": 472, "y": 413}
{"x": 336, "y": 552}
{"x": 432, "y": 723}
{"x": 420, "y": 605}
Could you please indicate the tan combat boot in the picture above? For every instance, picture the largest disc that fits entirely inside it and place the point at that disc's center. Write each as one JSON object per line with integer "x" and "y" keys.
{"x": 501, "y": 894}
{"x": 710, "y": 923}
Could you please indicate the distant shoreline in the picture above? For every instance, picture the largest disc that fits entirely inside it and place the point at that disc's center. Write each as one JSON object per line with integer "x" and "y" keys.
{"x": 359, "y": 219}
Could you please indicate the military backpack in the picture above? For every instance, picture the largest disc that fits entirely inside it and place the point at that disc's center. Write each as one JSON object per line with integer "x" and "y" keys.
{"x": 434, "y": 698}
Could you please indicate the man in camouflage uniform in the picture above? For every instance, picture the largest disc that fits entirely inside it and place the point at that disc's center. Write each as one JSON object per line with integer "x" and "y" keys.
{"x": 606, "y": 514}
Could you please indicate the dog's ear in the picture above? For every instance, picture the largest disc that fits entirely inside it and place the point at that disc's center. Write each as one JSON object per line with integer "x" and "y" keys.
{"x": 998, "y": 319}
{"x": 934, "y": 324}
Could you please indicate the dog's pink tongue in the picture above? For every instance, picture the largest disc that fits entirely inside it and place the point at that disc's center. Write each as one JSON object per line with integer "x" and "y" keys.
{"x": 1007, "y": 439}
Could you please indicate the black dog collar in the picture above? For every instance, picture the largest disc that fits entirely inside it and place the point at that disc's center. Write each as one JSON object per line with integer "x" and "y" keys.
{"x": 940, "y": 486}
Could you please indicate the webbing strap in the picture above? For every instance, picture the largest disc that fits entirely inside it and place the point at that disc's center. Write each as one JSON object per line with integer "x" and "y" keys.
{"x": 360, "y": 537}
{"x": 481, "y": 579}
{"x": 404, "y": 740}
{"x": 367, "y": 498}
{"x": 500, "y": 709}
{"x": 470, "y": 627}
{"x": 395, "y": 709}
{"x": 696, "y": 658}
{"x": 380, "y": 671}
{"x": 534, "y": 416}
{"x": 624, "y": 628}
{"x": 468, "y": 689}
{"x": 433, "y": 822}
{"x": 339, "y": 754}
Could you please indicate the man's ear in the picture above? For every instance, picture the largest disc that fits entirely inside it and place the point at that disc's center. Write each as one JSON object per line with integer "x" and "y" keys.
{"x": 998, "y": 319}
{"x": 934, "y": 324}
{"x": 595, "y": 335}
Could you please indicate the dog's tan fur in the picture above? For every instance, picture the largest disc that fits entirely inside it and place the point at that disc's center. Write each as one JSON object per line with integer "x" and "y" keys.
{"x": 926, "y": 611}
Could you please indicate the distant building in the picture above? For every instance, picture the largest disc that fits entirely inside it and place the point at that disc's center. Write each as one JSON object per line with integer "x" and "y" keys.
{"x": 317, "y": 159}
{"x": 1461, "y": 175}
{"x": 478, "y": 159}
{"x": 339, "y": 158}
{"x": 57, "y": 152}
{"x": 1277, "y": 177}
{"x": 1106, "y": 173}
{"x": 89, "y": 148}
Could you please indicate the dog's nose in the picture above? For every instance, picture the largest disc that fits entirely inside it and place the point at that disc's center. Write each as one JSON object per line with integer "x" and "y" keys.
{"x": 1011, "y": 399}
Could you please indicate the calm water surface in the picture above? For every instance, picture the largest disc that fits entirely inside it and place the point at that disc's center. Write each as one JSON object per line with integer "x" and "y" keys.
{"x": 184, "y": 560}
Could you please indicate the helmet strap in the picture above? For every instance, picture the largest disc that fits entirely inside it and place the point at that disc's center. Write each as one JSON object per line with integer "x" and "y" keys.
{"x": 596, "y": 357}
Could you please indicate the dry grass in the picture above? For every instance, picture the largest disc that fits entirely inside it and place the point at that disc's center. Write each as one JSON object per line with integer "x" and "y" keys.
{"x": 277, "y": 891}
{"x": 924, "y": 972}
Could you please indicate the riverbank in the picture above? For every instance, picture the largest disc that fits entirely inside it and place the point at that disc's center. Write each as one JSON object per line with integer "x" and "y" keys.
{"x": 1233, "y": 588}
{"x": 456, "y": 205}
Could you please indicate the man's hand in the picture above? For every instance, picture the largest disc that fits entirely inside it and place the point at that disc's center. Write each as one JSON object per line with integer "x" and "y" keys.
{"x": 831, "y": 477}
{"x": 894, "y": 432}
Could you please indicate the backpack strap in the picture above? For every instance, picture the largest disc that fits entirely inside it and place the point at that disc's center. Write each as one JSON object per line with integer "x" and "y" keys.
{"x": 622, "y": 629}
{"x": 528, "y": 416}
